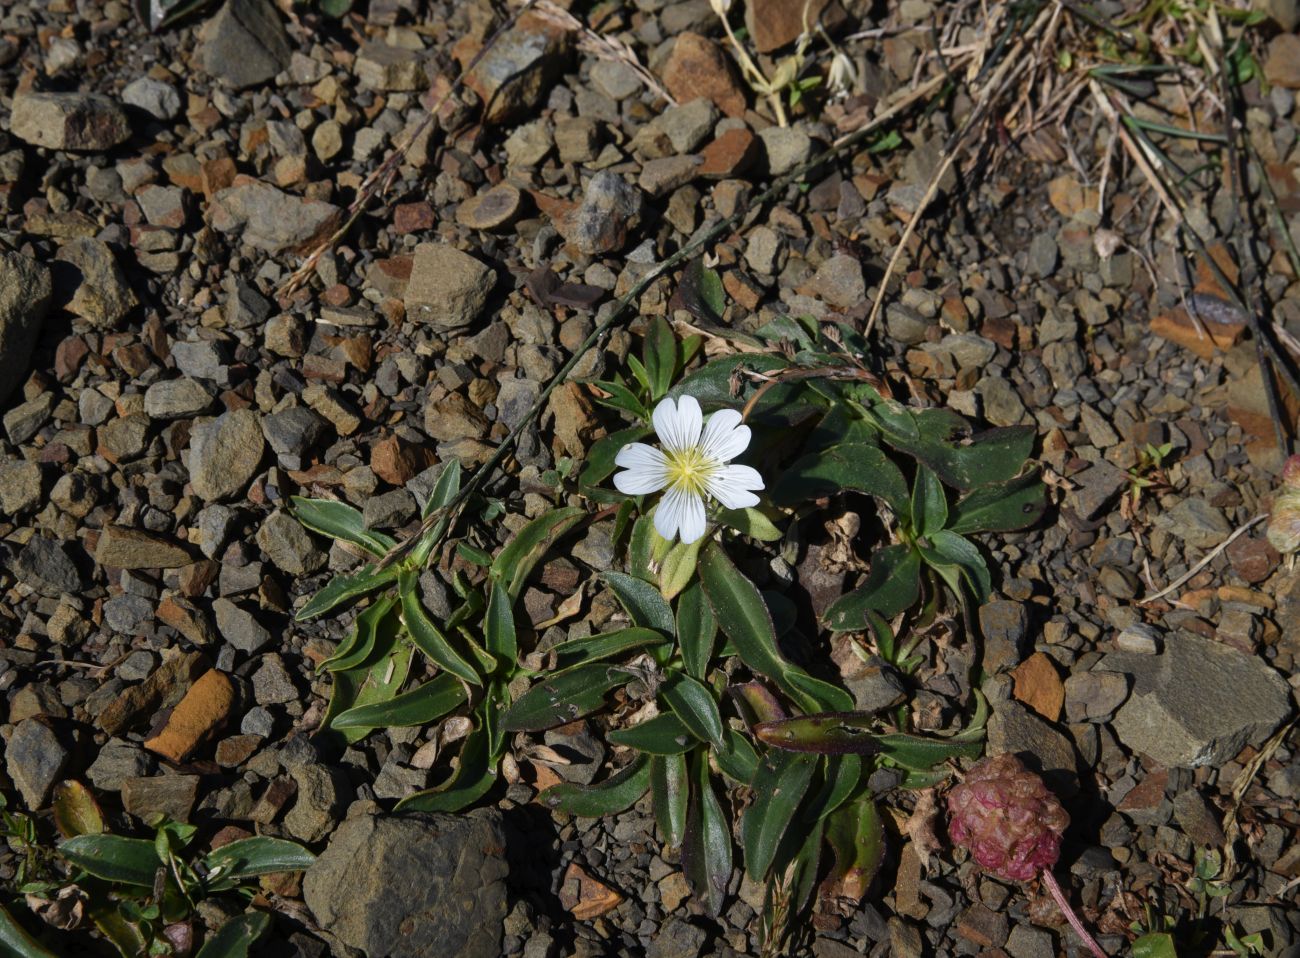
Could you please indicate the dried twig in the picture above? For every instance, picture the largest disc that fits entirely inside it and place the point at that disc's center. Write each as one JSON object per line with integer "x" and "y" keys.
{"x": 602, "y": 46}
{"x": 1209, "y": 557}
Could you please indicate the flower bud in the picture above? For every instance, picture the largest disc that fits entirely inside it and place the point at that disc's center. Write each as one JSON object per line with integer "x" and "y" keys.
{"x": 1007, "y": 818}
{"x": 1284, "y": 523}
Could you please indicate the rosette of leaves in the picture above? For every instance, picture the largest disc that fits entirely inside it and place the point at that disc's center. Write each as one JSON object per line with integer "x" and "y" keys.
{"x": 141, "y": 893}
{"x": 474, "y": 652}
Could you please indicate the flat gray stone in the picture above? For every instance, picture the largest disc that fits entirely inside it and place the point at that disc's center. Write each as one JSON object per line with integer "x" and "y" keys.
{"x": 1199, "y": 702}
{"x": 84, "y": 122}
{"x": 413, "y": 886}
{"x": 1016, "y": 730}
{"x": 225, "y": 453}
{"x": 244, "y": 44}
{"x": 35, "y": 759}
{"x": 25, "y": 290}
{"x": 448, "y": 288}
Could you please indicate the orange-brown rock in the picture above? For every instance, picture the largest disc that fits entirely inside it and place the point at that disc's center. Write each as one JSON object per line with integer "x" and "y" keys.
{"x": 697, "y": 67}
{"x": 204, "y": 709}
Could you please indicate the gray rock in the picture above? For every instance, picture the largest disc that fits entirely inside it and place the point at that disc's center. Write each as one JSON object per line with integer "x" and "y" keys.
{"x": 763, "y": 249}
{"x": 287, "y": 544}
{"x": 687, "y": 126}
{"x": 170, "y": 795}
{"x": 239, "y": 627}
{"x": 202, "y": 360}
{"x": 1043, "y": 255}
{"x": 25, "y": 290}
{"x": 839, "y": 281}
{"x": 447, "y": 288}
{"x": 272, "y": 684}
{"x": 610, "y": 207}
{"x": 117, "y": 761}
{"x": 20, "y": 486}
{"x": 390, "y": 510}
{"x": 382, "y": 67}
{"x": 1096, "y": 489}
{"x": 225, "y": 454}
{"x": 616, "y": 80}
{"x": 786, "y": 147}
{"x": 584, "y": 752}
{"x": 906, "y": 325}
{"x": 46, "y": 566}
{"x": 1026, "y": 941}
{"x": 413, "y": 886}
{"x": 245, "y": 306}
{"x": 291, "y": 432}
{"x": 1198, "y": 703}
{"x": 1094, "y": 696}
{"x": 84, "y": 122}
{"x": 128, "y": 615}
{"x": 516, "y": 73}
{"x": 176, "y": 399}
{"x": 89, "y": 282}
{"x": 121, "y": 547}
{"x": 1139, "y": 638}
{"x": 1196, "y": 522}
{"x": 677, "y": 939}
{"x": 35, "y": 759}
{"x": 257, "y": 721}
{"x": 271, "y": 219}
{"x": 160, "y": 100}
{"x": 1005, "y": 626}
{"x": 25, "y": 420}
{"x": 660, "y": 177}
{"x": 1015, "y": 729}
{"x": 1002, "y": 404}
{"x": 212, "y": 525}
{"x": 244, "y": 44}
{"x": 875, "y": 687}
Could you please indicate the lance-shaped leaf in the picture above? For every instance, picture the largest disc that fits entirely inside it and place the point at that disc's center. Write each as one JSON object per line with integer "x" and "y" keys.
{"x": 957, "y": 559}
{"x": 893, "y": 585}
{"x": 129, "y": 861}
{"x": 736, "y": 758}
{"x": 644, "y": 605}
{"x": 75, "y": 810}
{"x": 695, "y": 705}
{"x": 419, "y": 706}
{"x": 236, "y": 936}
{"x": 338, "y": 520}
{"x": 15, "y": 942}
{"x": 757, "y": 703}
{"x": 706, "y": 845}
{"x": 428, "y": 636}
{"x": 1000, "y": 506}
{"x": 499, "y": 625}
{"x": 780, "y": 785}
{"x": 514, "y": 563}
{"x": 847, "y": 467}
{"x": 359, "y": 647}
{"x": 593, "y": 648}
{"x": 476, "y": 771}
{"x": 259, "y": 855}
{"x": 345, "y": 588}
{"x": 665, "y": 734}
{"x": 697, "y": 630}
{"x": 825, "y": 733}
{"x": 670, "y": 785}
{"x": 600, "y": 457}
{"x": 856, "y": 834}
{"x": 374, "y": 685}
{"x": 678, "y": 568}
{"x": 921, "y": 753}
{"x": 929, "y": 503}
{"x": 646, "y": 549}
{"x": 563, "y": 698}
{"x": 613, "y": 795}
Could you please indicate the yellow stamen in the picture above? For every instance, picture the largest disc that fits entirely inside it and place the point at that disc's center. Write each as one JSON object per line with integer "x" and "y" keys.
{"x": 690, "y": 469}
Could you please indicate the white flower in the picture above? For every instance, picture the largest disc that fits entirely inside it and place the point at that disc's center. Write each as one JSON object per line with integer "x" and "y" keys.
{"x": 692, "y": 465}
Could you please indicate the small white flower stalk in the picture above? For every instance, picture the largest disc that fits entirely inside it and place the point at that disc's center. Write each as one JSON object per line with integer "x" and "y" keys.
{"x": 1284, "y": 523}
{"x": 694, "y": 465}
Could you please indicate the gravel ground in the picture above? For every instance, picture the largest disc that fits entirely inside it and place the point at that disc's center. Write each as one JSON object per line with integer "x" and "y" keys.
{"x": 163, "y": 396}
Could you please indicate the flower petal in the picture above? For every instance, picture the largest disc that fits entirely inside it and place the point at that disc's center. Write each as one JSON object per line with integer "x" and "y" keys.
{"x": 646, "y": 470}
{"x": 668, "y": 513}
{"x": 732, "y": 486}
{"x": 691, "y": 520}
{"x": 724, "y": 437}
{"x": 678, "y": 424}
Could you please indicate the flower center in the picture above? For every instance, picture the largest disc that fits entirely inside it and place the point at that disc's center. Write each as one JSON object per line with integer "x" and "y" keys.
{"x": 690, "y": 469}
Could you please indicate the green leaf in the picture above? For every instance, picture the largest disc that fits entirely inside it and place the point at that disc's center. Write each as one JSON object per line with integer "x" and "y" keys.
{"x": 499, "y": 625}
{"x": 740, "y": 610}
{"x": 259, "y": 855}
{"x": 444, "y": 490}
{"x": 600, "y": 457}
{"x": 856, "y": 834}
{"x": 670, "y": 784}
{"x": 592, "y": 648}
{"x": 842, "y": 778}
{"x": 563, "y": 698}
{"x": 1156, "y": 944}
{"x": 15, "y": 942}
{"x": 343, "y": 588}
{"x": 514, "y": 564}
{"x": 660, "y": 357}
{"x": 427, "y": 636}
{"x": 613, "y": 795}
{"x": 379, "y": 685}
{"x": 338, "y": 520}
{"x": 751, "y": 522}
{"x": 695, "y": 705}
{"x": 647, "y": 549}
{"x": 825, "y": 733}
{"x": 697, "y": 630}
{"x": 75, "y": 810}
{"x": 665, "y": 734}
{"x": 129, "y": 861}
{"x": 706, "y": 847}
{"x": 126, "y": 936}
{"x": 421, "y": 705}
{"x": 855, "y": 467}
{"x": 711, "y": 383}
{"x": 995, "y": 455}
{"x": 621, "y": 398}
{"x": 736, "y": 757}
{"x": 358, "y": 648}
{"x": 950, "y": 553}
{"x": 679, "y": 568}
{"x": 236, "y": 936}
{"x": 779, "y": 787}
{"x": 476, "y": 770}
{"x": 335, "y": 8}
{"x": 644, "y": 605}
{"x": 711, "y": 291}
{"x": 922, "y": 754}
{"x": 929, "y": 504}
{"x": 893, "y": 585}
{"x": 1000, "y": 506}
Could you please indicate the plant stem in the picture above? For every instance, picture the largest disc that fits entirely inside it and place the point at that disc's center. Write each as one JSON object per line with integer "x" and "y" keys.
{"x": 1059, "y": 897}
